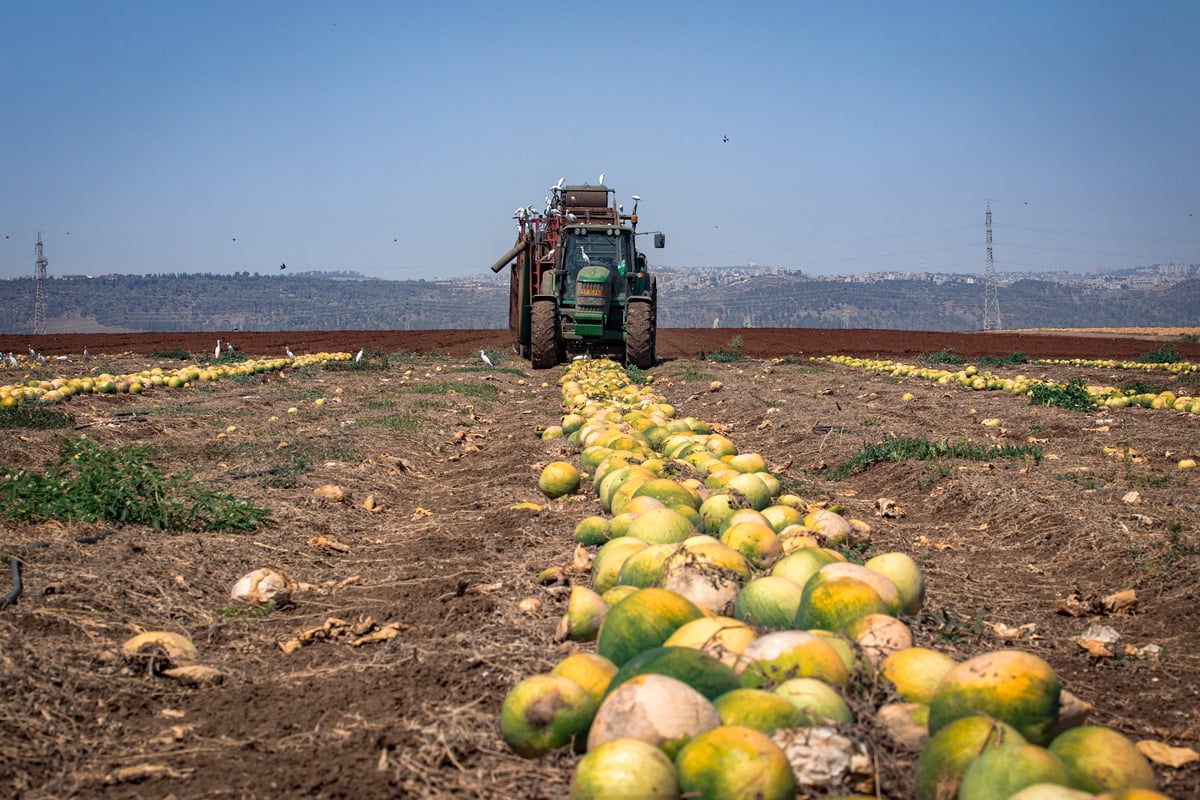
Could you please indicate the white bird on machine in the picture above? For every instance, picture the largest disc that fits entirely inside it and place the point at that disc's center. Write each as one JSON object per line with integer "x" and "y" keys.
{"x": 291, "y": 356}
{"x": 601, "y": 178}
{"x": 359, "y": 355}
{"x": 484, "y": 356}
{"x": 558, "y": 186}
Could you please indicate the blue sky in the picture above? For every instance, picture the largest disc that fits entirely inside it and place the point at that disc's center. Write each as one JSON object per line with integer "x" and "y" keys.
{"x": 395, "y": 138}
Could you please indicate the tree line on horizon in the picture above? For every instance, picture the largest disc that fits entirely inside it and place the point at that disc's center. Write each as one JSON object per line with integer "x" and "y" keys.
{"x": 221, "y": 302}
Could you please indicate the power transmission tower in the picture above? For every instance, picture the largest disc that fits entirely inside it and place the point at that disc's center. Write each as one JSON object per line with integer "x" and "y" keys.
{"x": 39, "y": 288}
{"x": 991, "y": 297}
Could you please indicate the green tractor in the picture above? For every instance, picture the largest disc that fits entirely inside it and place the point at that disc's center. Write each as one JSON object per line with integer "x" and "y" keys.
{"x": 578, "y": 284}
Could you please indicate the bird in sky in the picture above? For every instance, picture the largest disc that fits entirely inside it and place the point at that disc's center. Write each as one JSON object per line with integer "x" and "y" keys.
{"x": 484, "y": 356}
{"x": 724, "y": 138}
{"x": 217, "y": 349}
{"x": 358, "y": 356}
{"x": 283, "y": 266}
{"x": 291, "y": 356}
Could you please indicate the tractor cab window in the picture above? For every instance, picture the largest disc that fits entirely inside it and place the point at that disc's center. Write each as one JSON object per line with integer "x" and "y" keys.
{"x": 598, "y": 249}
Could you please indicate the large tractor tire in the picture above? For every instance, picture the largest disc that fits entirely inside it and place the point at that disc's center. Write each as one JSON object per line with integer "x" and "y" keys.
{"x": 543, "y": 334}
{"x": 639, "y": 335}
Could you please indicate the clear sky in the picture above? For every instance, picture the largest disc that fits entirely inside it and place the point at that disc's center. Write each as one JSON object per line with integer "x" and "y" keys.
{"x": 395, "y": 138}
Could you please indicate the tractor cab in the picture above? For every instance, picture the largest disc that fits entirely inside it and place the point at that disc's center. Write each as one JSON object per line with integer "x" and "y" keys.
{"x": 592, "y": 275}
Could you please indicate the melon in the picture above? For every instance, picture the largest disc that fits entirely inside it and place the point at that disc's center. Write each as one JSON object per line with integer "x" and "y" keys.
{"x": 585, "y": 612}
{"x": 802, "y": 564}
{"x": 724, "y": 638}
{"x": 754, "y": 540}
{"x": 544, "y": 712}
{"x": 591, "y": 671}
{"x": 643, "y": 568}
{"x": 902, "y": 571}
{"x": 1000, "y": 772}
{"x": 661, "y": 526}
{"x": 624, "y": 769}
{"x": 781, "y": 516}
{"x": 643, "y": 620}
{"x": 656, "y": 709}
{"x": 733, "y": 762}
{"x": 592, "y": 530}
{"x": 833, "y": 603}
{"x": 775, "y": 657}
{"x": 878, "y": 636}
{"x": 668, "y": 492}
{"x": 1012, "y": 686}
{"x": 606, "y": 566}
{"x": 558, "y": 478}
{"x": 831, "y": 528}
{"x": 715, "y": 510}
{"x": 915, "y": 672}
{"x": 757, "y": 708}
{"x": 768, "y": 602}
{"x": 882, "y": 585}
{"x": 1102, "y": 760}
{"x": 817, "y": 701}
{"x": 747, "y": 486}
{"x": 951, "y": 750}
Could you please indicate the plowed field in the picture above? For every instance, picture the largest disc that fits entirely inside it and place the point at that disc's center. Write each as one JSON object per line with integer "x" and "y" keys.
{"x": 1016, "y": 552}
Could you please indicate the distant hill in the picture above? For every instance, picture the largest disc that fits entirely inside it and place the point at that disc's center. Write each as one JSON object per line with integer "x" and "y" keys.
{"x": 687, "y": 299}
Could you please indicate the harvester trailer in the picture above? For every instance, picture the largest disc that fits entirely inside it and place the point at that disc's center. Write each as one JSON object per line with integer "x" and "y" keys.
{"x": 578, "y": 284}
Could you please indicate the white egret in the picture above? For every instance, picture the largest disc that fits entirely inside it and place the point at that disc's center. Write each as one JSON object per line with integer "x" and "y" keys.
{"x": 485, "y": 358}
{"x": 358, "y": 356}
{"x": 217, "y": 349}
{"x": 291, "y": 356}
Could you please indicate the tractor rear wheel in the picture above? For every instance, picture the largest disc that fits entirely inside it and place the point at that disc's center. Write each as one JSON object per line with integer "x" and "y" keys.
{"x": 639, "y": 335}
{"x": 543, "y": 334}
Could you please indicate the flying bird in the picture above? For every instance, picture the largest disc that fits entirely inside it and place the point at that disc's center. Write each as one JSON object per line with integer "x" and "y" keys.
{"x": 559, "y": 185}
{"x": 724, "y": 138}
{"x": 485, "y": 358}
{"x": 358, "y": 356}
{"x": 283, "y": 266}
{"x": 291, "y": 356}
